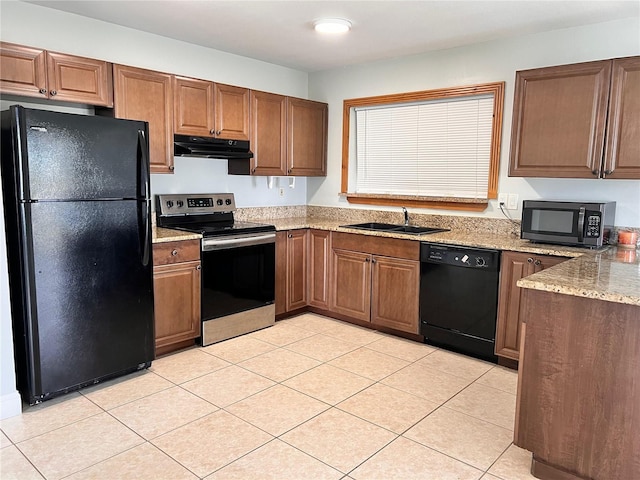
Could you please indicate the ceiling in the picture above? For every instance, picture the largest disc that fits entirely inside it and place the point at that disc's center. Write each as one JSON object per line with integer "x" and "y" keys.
{"x": 281, "y": 32}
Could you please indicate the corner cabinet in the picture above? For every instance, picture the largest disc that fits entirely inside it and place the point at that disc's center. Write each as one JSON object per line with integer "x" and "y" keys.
{"x": 176, "y": 290}
{"x": 147, "y": 95}
{"x": 377, "y": 280}
{"x": 288, "y": 135}
{"x": 32, "y": 72}
{"x": 514, "y": 266}
{"x": 577, "y": 121}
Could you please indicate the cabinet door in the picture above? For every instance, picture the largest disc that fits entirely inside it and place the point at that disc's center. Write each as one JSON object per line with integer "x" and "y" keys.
{"x": 351, "y": 284}
{"x": 395, "y": 289}
{"x": 23, "y": 71}
{"x": 232, "y": 112}
{"x": 193, "y": 107}
{"x": 268, "y": 133}
{"x": 307, "y": 137}
{"x": 319, "y": 274}
{"x": 622, "y": 156}
{"x": 281, "y": 273}
{"x": 78, "y": 79}
{"x": 297, "y": 273}
{"x": 148, "y": 96}
{"x": 176, "y": 290}
{"x": 514, "y": 266}
{"x": 559, "y": 117}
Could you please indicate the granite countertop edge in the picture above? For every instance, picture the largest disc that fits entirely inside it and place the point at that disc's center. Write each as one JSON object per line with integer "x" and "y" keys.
{"x": 608, "y": 274}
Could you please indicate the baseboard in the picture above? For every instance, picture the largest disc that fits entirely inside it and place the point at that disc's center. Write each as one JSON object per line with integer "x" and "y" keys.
{"x": 10, "y": 405}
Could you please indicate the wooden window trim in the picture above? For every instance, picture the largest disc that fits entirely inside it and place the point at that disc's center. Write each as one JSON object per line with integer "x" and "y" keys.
{"x": 495, "y": 88}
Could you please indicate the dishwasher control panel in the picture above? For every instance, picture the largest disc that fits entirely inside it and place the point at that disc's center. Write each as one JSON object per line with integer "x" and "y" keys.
{"x": 460, "y": 256}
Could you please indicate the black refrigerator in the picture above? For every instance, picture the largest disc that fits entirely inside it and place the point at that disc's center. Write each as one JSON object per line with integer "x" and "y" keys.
{"x": 77, "y": 220}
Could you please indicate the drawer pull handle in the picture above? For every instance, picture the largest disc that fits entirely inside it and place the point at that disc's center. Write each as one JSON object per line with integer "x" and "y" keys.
{"x": 529, "y": 260}
{"x": 174, "y": 253}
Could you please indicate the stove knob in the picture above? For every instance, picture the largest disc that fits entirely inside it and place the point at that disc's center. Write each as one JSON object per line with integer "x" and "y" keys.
{"x": 219, "y": 201}
{"x": 228, "y": 201}
{"x": 180, "y": 204}
{"x": 169, "y": 203}
{"x": 480, "y": 262}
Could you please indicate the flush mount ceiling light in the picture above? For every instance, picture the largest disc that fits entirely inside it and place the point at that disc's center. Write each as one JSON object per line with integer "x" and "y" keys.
{"x": 332, "y": 25}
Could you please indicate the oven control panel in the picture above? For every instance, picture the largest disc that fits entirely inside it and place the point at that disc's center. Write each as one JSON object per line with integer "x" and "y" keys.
{"x": 197, "y": 203}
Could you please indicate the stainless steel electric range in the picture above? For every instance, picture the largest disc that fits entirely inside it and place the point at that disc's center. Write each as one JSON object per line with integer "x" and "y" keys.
{"x": 238, "y": 262}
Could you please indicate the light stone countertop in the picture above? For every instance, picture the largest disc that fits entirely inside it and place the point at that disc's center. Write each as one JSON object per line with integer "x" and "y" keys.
{"x": 610, "y": 274}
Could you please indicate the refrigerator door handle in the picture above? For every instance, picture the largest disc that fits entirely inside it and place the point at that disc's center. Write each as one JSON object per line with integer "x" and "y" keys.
{"x": 143, "y": 171}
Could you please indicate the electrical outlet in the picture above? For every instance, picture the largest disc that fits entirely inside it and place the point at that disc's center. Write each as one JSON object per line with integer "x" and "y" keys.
{"x": 502, "y": 199}
{"x": 512, "y": 201}
{"x": 281, "y": 192}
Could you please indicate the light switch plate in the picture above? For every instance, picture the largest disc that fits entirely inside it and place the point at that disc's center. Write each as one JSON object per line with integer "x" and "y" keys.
{"x": 512, "y": 201}
{"x": 502, "y": 199}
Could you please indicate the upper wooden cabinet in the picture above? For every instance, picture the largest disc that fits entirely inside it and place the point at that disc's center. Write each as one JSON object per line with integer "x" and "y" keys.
{"x": 561, "y": 114}
{"x": 147, "y": 95}
{"x": 288, "y": 135}
{"x": 193, "y": 111}
{"x": 514, "y": 266}
{"x": 268, "y": 133}
{"x": 38, "y": 73}
{"x": 306, "y": 137}
{"x": 232, "y": 111}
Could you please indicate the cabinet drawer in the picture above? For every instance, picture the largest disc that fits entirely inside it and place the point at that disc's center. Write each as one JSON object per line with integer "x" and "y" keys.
{"x": 388, "y": 247}
{"x": 175, "y": 252}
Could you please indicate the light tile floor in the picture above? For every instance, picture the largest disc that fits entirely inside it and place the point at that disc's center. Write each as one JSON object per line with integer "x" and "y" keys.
{"x": 309, "y": 398}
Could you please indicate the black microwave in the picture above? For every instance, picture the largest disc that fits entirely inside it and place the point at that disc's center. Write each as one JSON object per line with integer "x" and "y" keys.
{"x": 580, "y": 224}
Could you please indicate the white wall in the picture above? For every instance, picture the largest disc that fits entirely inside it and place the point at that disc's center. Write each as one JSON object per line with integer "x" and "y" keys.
{"x": 50, "y": 29}
{"x": 487, "y": 62}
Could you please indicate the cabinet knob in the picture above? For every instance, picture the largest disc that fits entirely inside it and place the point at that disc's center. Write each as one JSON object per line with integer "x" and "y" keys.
{"x": 537, "y": 262}
{"x": 171, "y": 167}
{"x": 212, "y": 131}
{"x": 367, "y": 259}
{"x": 608, "y": 172}
{"x": 529, "y": 260}
{"x": 373, "y": 260}
{"x": 43, "y": 91}
{"x": 53, "y": 93}
{"x": 199, "y": 267}
{"x": 174, "y": 253}
{"x": 290, "y": 235}
{"x": 596, "y": 173}
{"x": 218, "y": 132}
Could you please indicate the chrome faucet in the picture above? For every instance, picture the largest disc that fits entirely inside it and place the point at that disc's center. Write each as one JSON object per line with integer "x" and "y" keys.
{"x": 406, "y": 216}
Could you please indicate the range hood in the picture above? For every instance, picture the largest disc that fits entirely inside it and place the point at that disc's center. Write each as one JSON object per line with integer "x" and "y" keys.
{"x": 237, "y": 152}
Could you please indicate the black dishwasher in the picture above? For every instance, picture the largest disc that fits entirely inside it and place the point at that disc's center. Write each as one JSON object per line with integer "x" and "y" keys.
{"x": 459, "y": 298}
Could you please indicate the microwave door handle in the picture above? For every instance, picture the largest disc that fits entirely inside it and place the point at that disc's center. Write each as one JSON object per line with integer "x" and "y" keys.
{"x": 581, "y": 214}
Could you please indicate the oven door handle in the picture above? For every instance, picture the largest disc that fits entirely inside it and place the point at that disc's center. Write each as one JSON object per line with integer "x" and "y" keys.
{"x": 209, "y": 244}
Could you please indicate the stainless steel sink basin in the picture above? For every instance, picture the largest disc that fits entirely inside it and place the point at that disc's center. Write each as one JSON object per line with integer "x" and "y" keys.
{"x": 391, "y": 227}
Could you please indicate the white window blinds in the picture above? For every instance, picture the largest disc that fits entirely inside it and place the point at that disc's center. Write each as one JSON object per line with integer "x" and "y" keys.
{"x": 437, "y": 148}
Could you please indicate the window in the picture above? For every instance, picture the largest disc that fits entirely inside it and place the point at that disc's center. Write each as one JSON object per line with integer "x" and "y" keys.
{"x": 435, "y": 148}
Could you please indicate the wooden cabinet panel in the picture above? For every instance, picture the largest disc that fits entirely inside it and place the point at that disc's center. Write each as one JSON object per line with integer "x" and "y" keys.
{"x": 176, "y": 290}
{"x": 307, "y": 137}
{"x": 23, "y": 71}
{"x": 148, "y": 96}
{"x": 514, "y": 266}
{"x": 319, "y": 268}
{"x": 57, "y": 76}
{"x": 193, "y": 107}
{"x": 622, "y": 156}
{"x": 351, "y": 285}
{"x": 559, "y": 118}
{"x": 297, "y": 272}
{"x": 232, "y": 112}
{"x": 268, "y": 133}
{"x": 281, "y": 273}
{"x": 395, "y": 289}
{"x": 579, "y": 390}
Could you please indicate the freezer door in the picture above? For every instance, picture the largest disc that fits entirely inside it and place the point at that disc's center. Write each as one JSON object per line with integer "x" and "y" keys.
{"x": 91, "y": 293}
{"x": 75, "y": 157}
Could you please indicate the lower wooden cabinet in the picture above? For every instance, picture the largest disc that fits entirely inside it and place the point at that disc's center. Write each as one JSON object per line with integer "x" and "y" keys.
{"x": 514, "y": 266}
{"x": 378, "y": 283}
{"x": 291, "y": 270}
{"x": 319, "y": 268}
{"x": 176, "y": 289}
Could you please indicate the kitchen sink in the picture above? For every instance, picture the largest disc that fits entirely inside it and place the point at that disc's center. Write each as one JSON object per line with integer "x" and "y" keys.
{"x": 392, "y": 227}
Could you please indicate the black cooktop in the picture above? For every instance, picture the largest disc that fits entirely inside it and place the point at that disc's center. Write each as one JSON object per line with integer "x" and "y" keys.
{"x": 213, "y": 229}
